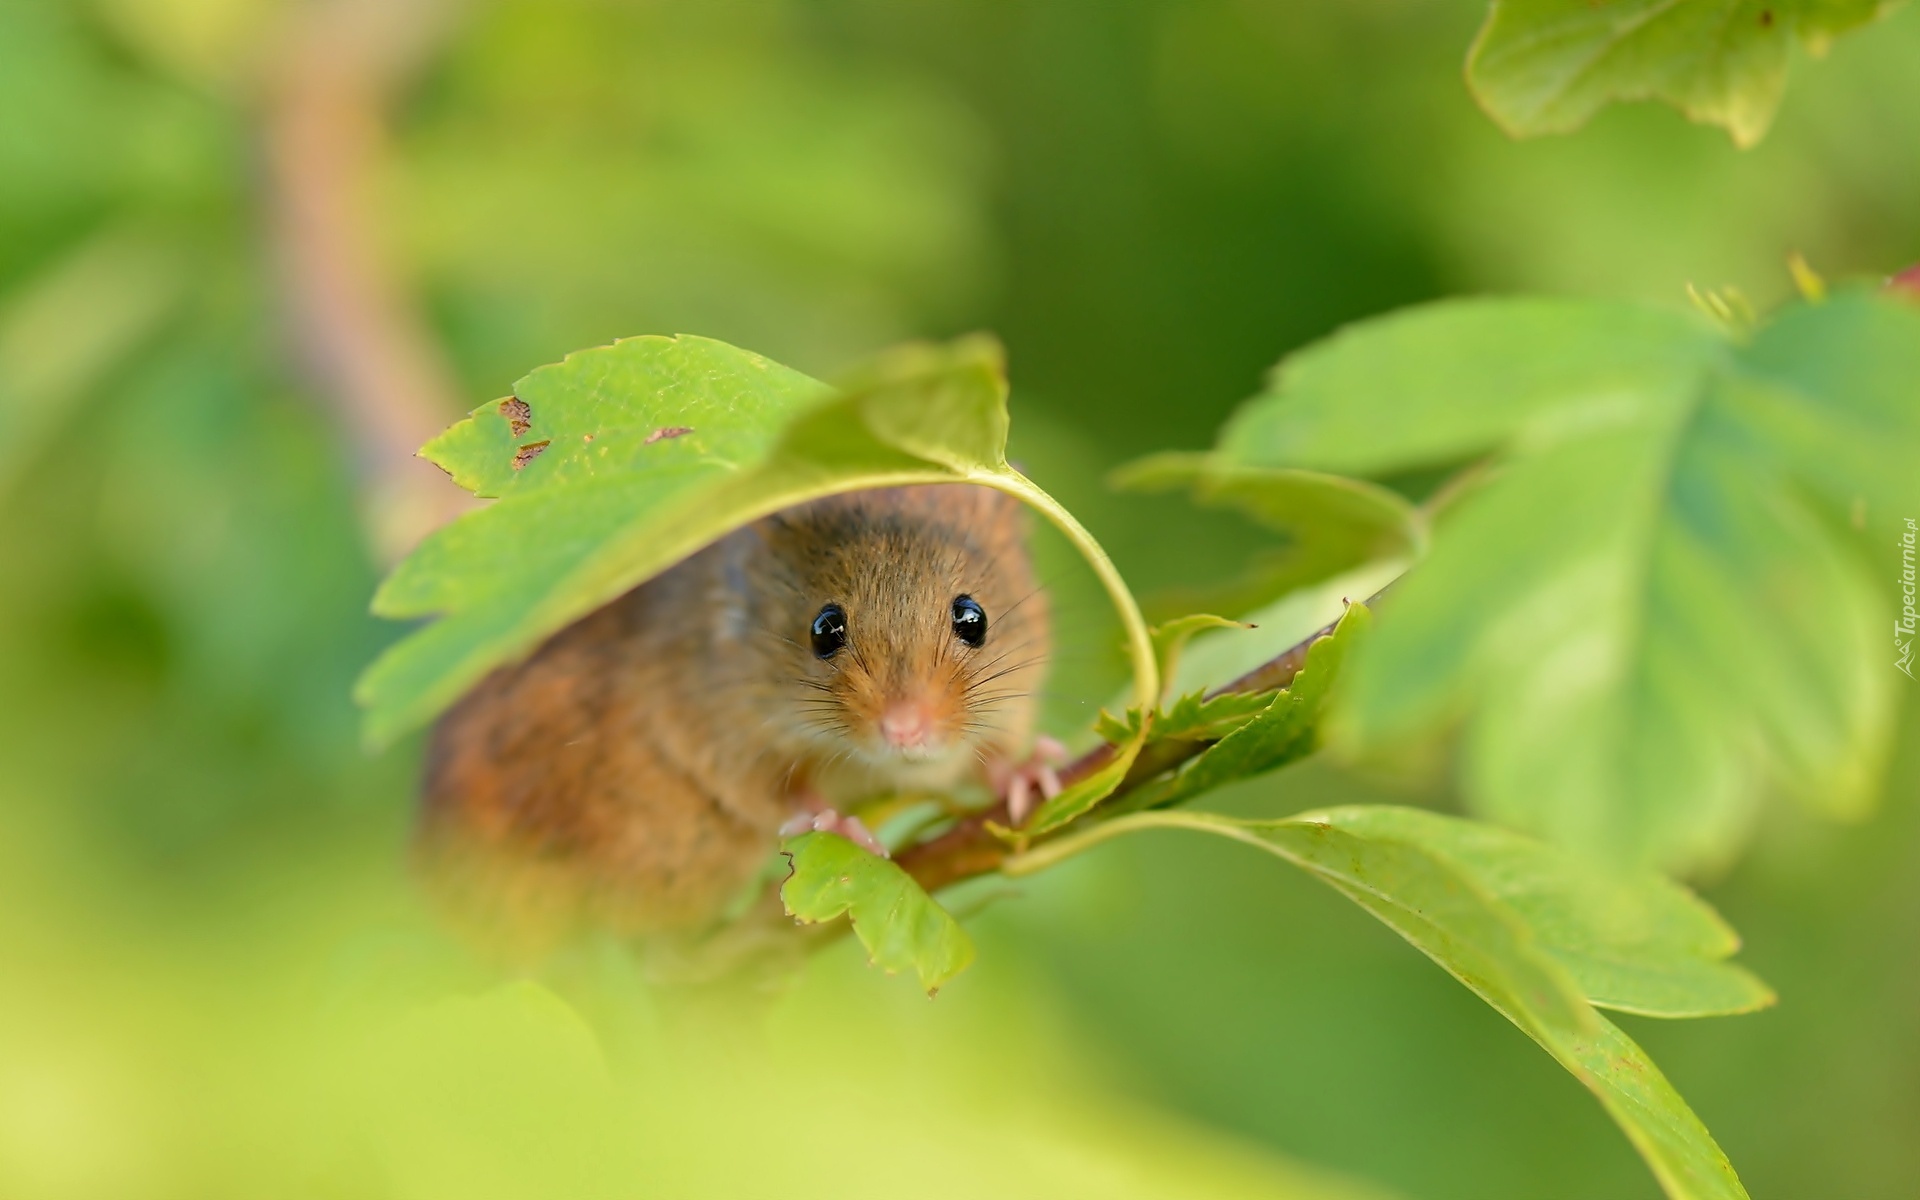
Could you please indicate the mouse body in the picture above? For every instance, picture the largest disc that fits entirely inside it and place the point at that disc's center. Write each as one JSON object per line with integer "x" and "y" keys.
{"x": 633, "y": 773}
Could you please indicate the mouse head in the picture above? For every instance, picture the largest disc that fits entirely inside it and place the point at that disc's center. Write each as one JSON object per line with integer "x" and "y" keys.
{"x": 911, "y": 626}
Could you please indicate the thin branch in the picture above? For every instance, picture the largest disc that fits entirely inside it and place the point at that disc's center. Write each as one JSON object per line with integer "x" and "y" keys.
{"x": 970, "y": 849}
{"x": 353, "y": 323}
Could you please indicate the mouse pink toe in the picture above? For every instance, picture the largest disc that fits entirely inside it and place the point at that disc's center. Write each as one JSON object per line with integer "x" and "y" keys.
{"x": 1019, "y": 797}
{"x": 827, "y": 820}
{"x": 1018, "y": 783}
{"x": 856, "y": 832}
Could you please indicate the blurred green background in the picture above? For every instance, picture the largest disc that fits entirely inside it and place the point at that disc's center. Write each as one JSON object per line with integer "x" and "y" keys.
{"x": 249, "y": 247}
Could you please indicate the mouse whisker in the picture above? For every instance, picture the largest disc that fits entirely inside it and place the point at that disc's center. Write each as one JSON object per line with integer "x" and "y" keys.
{"x": 1001, "y": 652}
{"x": 988, "y": 670}
{"x": 1002, "y": 673}
{"x": 997, "y": 661}
{"x": 1005, "y": 689}
{"x": 982, "y": 722}
{"x": 1015, "y": 606}
{"x": 993, "y": 700}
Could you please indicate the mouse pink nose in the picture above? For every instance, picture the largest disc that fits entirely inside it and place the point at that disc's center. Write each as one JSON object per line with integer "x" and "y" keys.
{"x": 906, "y": 725}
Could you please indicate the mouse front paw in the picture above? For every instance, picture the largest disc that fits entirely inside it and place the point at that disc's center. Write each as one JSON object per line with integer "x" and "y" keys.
{"x": 826, "y": 820}
{"x": 1023, "y": 785}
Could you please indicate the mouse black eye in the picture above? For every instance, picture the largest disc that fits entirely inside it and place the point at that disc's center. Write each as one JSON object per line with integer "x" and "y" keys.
{"x": 829, "y": 631}
{"x": 969, "y": 620}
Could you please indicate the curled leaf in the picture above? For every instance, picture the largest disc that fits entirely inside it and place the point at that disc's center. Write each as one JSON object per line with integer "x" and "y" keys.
{"x": 1329, "y": 525}
{"x": 619, "y": 461}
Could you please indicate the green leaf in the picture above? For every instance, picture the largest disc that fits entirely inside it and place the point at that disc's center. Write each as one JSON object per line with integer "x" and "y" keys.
{"x": 1635, "y": 942}
{"x": 1076, "y": 801}
{"x": 1284, "y": 730}
{"x": 639, "y": 405}
{"x": 1457, "y": 378}
{"x": 620, "y": 461}
{"x": 902, "y": 928}
{"x": 1654, "y": 606}
{"x": 1198, "y": 717}
{"x": 1171, "y": 637}
{"x": 1194, "y": 717}
{"x": 1331, "y": 525}
{"x": 1109, "y": 728}
{"x": 1499, "y": 921}
{"x": 1546, "y": 66}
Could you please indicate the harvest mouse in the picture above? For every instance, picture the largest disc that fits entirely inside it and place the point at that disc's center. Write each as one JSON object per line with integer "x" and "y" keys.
{"x": 635, "y": 771}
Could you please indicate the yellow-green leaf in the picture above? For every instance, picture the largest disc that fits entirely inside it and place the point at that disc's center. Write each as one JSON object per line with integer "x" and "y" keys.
{"x": 1546, "y": 66}
{"x": 902, "y": 928}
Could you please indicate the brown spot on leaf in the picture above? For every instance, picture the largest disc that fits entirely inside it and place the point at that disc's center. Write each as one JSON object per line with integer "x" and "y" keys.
{"x": 667, "y": 431}
{"x": 519, "y": 416}
{"x": 1766, "y": 18}
{"x": 527, "y": 454}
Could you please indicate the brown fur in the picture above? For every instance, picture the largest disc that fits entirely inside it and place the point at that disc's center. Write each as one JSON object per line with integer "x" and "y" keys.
{"x": 633, "y": 771}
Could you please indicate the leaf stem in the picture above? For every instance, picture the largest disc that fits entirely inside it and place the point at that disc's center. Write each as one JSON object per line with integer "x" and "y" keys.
{"x": 1058, "y": 850}
{"x": 1146, "y": 673}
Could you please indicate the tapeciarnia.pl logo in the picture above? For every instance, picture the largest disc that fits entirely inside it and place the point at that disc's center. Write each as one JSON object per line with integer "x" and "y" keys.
{"x": 1903, "y": 628}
